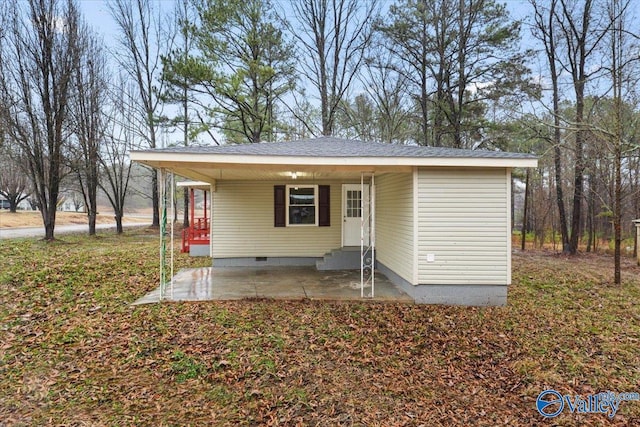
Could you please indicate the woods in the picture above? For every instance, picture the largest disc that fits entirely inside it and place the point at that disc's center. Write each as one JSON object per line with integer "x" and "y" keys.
{"x": 561, "y": 83}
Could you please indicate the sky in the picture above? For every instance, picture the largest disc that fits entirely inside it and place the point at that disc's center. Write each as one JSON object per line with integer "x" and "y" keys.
{"x": 97, "y": 14}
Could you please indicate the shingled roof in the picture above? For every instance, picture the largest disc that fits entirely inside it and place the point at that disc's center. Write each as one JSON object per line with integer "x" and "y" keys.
{"x": 339, "y": 147}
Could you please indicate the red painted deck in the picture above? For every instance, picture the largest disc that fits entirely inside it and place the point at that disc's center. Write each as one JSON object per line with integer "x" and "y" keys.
{"x": 198, "y": 232}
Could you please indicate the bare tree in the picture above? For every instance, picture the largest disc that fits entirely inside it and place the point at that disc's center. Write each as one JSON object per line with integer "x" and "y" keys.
{"x": 571, "y": 32}
{"x": 357, "y": 118}
{"x": 115, "y": 166}
{"x": 39, "y": 55}
{"x": 617, "y": 68}
{"x": 618, "y": 127}
{"x": 89, "y": 99}
{"x": 581, "y": 37}
{"x": 334, "y": 36}
{"x": 383, "y": 111}
{"x": 545, "y": 30}
{"x": 14, "y": 184}
{"x": 388, "y": 91}
{"x": 140, "y": 42}
{"x": 409, "y": 34}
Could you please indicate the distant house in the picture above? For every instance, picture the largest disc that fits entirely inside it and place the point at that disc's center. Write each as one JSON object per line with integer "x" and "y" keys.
{"x": 22, "y": 205}
{"x": 438, "y": 218}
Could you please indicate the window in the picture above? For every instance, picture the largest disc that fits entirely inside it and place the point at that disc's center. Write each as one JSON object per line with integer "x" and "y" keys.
{"x": 299, "y": 205}
{"x": 354, "y": 204}
{"x": 302, "y": 206}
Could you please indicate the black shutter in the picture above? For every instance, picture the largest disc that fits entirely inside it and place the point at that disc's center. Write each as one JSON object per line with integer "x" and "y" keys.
{"x": 324, "y": 211}
{"x": 279, "y": 206}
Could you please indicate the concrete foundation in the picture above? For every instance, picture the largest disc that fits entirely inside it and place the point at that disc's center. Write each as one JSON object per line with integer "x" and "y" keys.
{"x": 265, "y": 262}
{"x": 471, "y": 295}
{"x": 199, "y": 250}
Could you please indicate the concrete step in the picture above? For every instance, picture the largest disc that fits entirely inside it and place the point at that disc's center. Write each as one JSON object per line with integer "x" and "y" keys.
{"x": 340, "y": 259}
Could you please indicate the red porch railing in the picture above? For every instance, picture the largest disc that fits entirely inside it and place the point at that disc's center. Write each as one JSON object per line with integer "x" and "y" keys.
{"x": 198, "y": 231}
{"x": 196, "y": 234}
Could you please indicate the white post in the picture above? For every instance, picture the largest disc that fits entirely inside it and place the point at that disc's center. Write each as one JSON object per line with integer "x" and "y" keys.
{"x": 211, "y": 190}
{"x": 172, "y": 181}
{"x": 372, "y": 231}
{"x": 161, "y": 194}
{"x": 361, "y": 235}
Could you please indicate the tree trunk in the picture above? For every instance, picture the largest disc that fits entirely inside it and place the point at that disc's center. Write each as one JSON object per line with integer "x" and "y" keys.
{"x": 579, "y": 53}
{"x": 424, "y": 109}
{"x": 185, "y": 114}
{"x": 617, "y": 217}
{"x": 118, "y": 219}
{"x": 562, "y": 215}
{"x": 185, "y": 218}
{"x": 92, "y": 222}
{"x": 616, "y": 77}
{"x": 578, "y": 182}
{"x": 49, "y": 220}
{"x": 591, "y": 208}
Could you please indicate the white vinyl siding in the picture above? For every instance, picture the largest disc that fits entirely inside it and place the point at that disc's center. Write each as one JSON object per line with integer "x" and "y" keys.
{"x": 394, "y": 223}
{"x": 463, "y": 218}
{"x": 243, "y": 223}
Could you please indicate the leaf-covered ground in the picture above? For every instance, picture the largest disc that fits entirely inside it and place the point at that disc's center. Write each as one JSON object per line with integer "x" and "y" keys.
{"x": 74, "y": 352}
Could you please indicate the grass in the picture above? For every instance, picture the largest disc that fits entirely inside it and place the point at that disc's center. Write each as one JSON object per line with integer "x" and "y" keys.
{"x": 74, "y": 352}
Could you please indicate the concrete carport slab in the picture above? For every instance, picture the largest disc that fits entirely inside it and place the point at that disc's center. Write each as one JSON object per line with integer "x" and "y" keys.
{"x": 289, "y": 283}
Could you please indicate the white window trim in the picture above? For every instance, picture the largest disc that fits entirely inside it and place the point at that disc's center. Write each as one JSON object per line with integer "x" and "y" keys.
{"x": 316, "y": 205}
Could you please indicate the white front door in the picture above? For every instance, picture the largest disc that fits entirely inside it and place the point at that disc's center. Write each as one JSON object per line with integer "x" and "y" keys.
{"x": 353, "y": 208}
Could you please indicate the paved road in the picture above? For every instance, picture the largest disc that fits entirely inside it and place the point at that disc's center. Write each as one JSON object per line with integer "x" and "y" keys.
{"x": 12, "y": 233}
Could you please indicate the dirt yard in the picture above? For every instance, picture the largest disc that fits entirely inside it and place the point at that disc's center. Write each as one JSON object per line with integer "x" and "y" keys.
{"x": 34, "y": 219}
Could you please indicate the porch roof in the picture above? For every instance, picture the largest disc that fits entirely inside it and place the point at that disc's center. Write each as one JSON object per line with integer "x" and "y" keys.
{"x": 317, "y": 157}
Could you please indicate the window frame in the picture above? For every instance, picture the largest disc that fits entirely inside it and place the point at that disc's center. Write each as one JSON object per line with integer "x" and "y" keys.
{"x": 316, "y": 204}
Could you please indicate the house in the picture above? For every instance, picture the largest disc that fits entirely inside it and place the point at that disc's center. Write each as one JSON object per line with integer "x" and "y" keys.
{"x": 435, "y": 221}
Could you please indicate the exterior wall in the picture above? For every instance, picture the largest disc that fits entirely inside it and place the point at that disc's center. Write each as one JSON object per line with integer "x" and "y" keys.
{"x": 243, "y": 227}
{"x": 463, "y": 227}
{"x": 394, "y": 223}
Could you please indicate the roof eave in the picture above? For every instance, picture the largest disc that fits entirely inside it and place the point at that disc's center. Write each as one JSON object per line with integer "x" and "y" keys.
{"x": 164, "y": 159}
